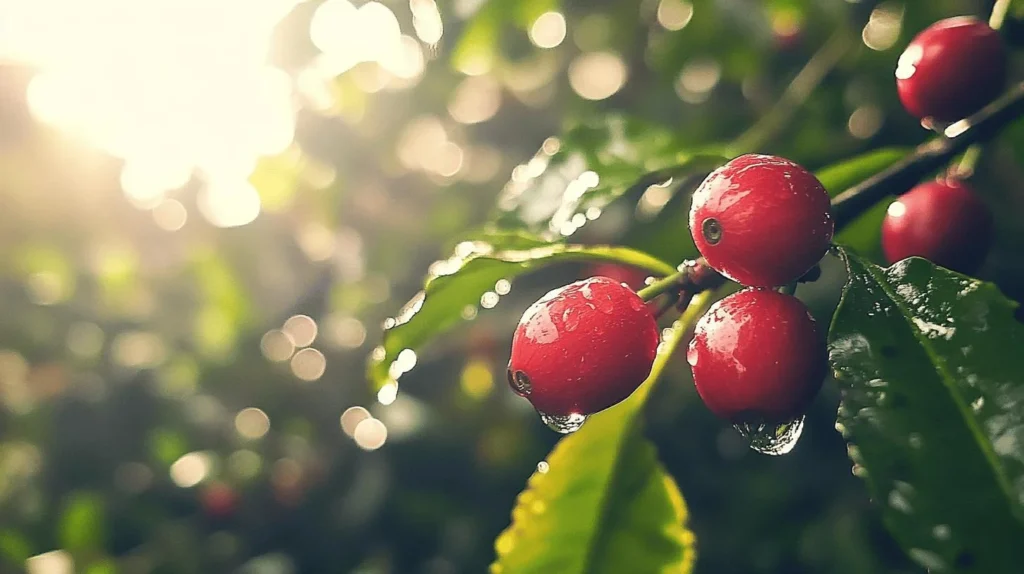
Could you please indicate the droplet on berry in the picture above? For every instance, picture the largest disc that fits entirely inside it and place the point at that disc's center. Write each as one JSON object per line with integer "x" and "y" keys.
{"x": 942, "y": 221}
{"x": 758, "y": 360}
{"x": 951, "y": 69}
{"x": 761, "y": 220}
{"x": 581, "y": 349}
{"x": 772, "y": 439}
{"x": 564, "y": 424}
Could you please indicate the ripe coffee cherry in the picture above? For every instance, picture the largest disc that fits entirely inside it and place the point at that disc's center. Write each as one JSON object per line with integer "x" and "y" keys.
{"x": 761, "y": 220}
{"x": 582, "y": 348}
{"x": 942, "y": 221}
{"x": 757, "y": 356}
{"x": 951, "y": 69}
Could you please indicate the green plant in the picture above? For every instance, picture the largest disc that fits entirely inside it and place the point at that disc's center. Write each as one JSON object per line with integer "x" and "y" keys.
{"x": 910, "y": 344}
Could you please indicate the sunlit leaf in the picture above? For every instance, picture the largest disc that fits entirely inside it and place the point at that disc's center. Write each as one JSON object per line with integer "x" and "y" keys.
{"x": 601, "y": 503}
{"x": 477, "y": 47}
{"x": 226, "y": 308}
{"x": 932, "y": 378}
{"x": 14, "y": 546}
{"x": 81, "y": 525}
{"x": 458, "y": 286}
{"x": 571, "y": 179}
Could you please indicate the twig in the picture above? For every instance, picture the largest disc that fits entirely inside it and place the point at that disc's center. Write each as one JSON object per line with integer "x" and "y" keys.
{"x": 694, "y": 276}
{"x": 998, "y": 16}
{"x": 805, "y": 82}
{"x": 928, "y": 157}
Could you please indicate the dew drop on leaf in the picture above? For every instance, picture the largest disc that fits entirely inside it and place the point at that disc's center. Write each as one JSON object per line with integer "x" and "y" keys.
{"x": 775, "y": 439}
{"x": 564, "y": 424}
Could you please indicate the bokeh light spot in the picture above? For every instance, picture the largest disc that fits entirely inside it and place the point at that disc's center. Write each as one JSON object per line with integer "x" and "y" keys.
{"x": 597, "y": 75}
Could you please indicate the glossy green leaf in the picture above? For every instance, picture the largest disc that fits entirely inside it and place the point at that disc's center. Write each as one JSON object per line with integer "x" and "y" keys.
{"x": 82, "y": 522}
{"x": 455, "y": 287}
{"x": 601, "y": 503}
{"x": 930, "y": 366}
{"x": 572, "y": 179}
{"x": 864, "y": 233}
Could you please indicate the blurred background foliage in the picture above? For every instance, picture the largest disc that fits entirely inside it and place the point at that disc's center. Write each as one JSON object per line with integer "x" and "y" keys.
{"x": 210, "y": 208}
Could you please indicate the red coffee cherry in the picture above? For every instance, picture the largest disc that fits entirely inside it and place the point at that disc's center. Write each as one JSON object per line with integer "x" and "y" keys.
{"x": 942, "y": 221}
{"x": 951, "y": 69}
{"x": 761, "y": 220}
{"x": 757, "y": 356}
{"x": 582, "y": 348}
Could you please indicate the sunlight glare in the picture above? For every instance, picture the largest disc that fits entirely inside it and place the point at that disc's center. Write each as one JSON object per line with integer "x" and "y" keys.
{"x": 178, "y": 80}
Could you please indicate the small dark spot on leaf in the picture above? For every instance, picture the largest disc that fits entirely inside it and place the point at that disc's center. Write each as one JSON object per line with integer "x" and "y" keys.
{"x": 889, "y": 351}
{"x": 964, "y": 559}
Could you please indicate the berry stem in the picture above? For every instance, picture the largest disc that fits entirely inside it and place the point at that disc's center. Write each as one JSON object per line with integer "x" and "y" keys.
{"x": 697, "y": 276}
{"x": 693, "y": 276}
{"x": 928, "y": 157}
{"x": 998, "y": 16}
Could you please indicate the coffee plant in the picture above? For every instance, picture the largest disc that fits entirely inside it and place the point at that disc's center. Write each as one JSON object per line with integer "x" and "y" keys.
{"x": 511, "y": 286}
{"x": 923, "y": 354}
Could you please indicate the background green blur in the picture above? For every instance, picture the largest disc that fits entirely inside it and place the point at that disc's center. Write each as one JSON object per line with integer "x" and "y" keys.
{"x": 182, "y": 383}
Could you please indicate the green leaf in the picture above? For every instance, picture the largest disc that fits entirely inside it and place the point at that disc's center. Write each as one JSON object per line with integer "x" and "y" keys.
{"x": 930, "y": 366}
{"x": 601, "y": 503}
{"x": 14, "y": 546}
{"x": 477, "y": 47}
{"x": 455, "y": 286}
{"x": 572, "y": 179}
{"x": 527, "y": 11}
{"x": 82, "y": 522}
{"x": 864, "y": 233}
{"x": 666, "y": 236}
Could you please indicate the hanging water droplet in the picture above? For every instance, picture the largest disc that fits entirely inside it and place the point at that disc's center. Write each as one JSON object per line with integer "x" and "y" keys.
{"x": 564, "y": 424}
{"x": 774, "y": 440}
{"x": 520, "y": 383}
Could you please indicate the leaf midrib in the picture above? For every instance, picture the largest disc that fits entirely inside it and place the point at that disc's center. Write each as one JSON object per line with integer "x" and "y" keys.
{"x": 605, "y": 503}
{"x": 628, "y": 429}
{"x": 947, "y": 381}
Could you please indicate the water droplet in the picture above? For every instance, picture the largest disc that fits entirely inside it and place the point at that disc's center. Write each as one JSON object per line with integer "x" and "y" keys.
{"x": 691, "y": 356}
{"x": 588, "y": 293}
{"x": 543, "y": 467}
{"x": 571, "y": 319}
{"x": 916, "y": 440}
{"x": 520, "y": 383}
{"x": 605, "y": 304}
{"x": 636, "y": 303}
{"x": 773, "y": 440}
{"x": 564, "y": 424}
